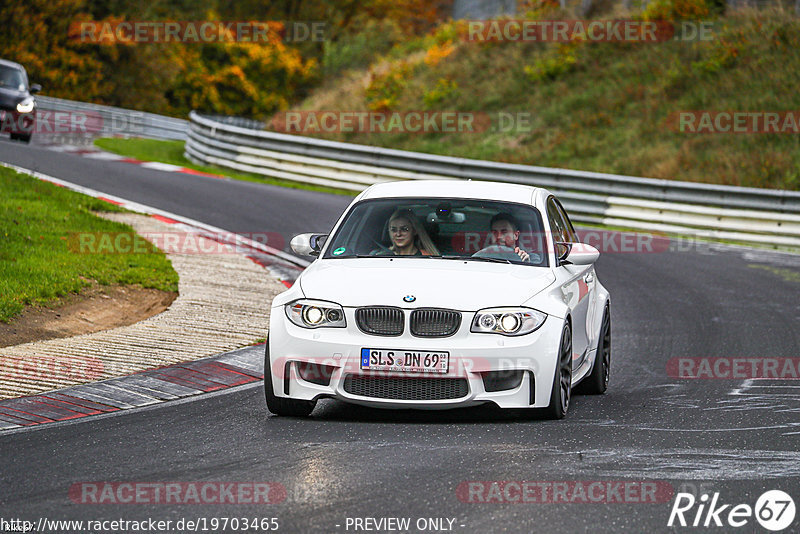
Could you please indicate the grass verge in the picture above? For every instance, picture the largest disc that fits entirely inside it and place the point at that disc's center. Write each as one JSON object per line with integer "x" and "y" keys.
{"x": 36, "y": 264}
{"x": 172, "y": 152}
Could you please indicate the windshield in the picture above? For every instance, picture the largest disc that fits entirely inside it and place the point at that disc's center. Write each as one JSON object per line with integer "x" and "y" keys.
{"x": 11, "y": 78}
{"x": 442, "y": 228}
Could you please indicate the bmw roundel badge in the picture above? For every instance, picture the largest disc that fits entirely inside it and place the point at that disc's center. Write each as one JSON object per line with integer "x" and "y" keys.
{"x": 409, "y": 298}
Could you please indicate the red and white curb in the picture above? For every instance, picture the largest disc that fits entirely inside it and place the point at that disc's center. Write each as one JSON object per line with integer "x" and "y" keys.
{"x": 94, "y": 153}
{"x": 152, "y": 386}
{"x": 145, "y": 388}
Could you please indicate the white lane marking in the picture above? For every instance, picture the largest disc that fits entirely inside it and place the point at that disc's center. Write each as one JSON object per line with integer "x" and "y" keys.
{"x": 155, "y": 165}
{"x": 786, "y": 259}
{"x": 103, "y": 155}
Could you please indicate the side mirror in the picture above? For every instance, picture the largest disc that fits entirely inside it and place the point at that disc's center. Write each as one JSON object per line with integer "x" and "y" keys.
{"x": 576, "y": 253}
{"x": 35, "y": 88}
{"x": 308, "y": 244}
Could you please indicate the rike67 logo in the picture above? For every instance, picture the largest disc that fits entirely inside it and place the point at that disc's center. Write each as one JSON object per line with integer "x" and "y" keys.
{"x": 774, "y": 510}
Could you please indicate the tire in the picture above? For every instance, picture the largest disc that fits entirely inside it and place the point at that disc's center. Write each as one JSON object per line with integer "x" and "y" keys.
{"x": 25, "y": 138}
{"x": 597, "y": 382}
{"x": 562, "y": 380}
{"x": 281, "y": 405}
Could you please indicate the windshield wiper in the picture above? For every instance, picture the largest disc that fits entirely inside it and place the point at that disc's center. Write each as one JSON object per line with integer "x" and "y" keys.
{"x": 473, "y": 258}
{"x": 384, "y": 256}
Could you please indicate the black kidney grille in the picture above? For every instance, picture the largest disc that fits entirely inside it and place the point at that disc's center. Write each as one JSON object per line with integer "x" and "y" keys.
{"x": 380, "y": 320}
{"x": 434, "y": 323}
{"x": 411, "y": 388}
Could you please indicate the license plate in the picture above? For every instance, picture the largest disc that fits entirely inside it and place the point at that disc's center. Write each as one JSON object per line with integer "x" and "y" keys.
{"x": 415, "y": 361}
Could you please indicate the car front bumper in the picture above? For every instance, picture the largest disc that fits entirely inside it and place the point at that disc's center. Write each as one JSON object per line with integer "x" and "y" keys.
{"x": 472, "y": 355}
{"x": 14, "y": 122}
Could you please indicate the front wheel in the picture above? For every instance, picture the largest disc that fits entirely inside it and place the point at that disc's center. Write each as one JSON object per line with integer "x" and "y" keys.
{"x": 562, "y": 381}
{"x": 282, "y": 405}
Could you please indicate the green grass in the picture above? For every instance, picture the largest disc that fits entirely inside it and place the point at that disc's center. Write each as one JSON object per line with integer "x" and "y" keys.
{"x": 149, "y": 150}
{"x": 37, "y": 221}
{"x": 603, "y": 107}
{"x": 172, "y": 152}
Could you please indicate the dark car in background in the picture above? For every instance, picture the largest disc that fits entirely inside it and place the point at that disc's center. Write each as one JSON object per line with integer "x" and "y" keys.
{"x": 17, "y": 106}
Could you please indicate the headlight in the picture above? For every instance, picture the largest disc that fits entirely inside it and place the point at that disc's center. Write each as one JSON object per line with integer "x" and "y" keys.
{"x": 507, "y": 321}
{"x": 315, "y": 314}
{"x": 26, "y": 106}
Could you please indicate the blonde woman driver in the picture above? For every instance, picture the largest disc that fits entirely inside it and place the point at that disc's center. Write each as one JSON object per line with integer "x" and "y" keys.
{"x": 408, "y": 236}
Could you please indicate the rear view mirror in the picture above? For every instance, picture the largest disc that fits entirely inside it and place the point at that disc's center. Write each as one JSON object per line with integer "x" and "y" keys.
{"x": 35, "y": 88}
{"x": 455, "y": 217}
{"x": 308, "y": 244}
{"x": 576, "y": 253}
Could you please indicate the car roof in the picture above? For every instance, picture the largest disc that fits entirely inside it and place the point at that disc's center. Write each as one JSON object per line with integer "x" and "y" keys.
{"x": 7, "y": 63}
{"x": 453, "y": 189}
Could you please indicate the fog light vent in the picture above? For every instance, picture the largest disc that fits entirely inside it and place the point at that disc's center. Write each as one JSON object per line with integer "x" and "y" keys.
{"x": 315, "y": 373}
{"x": 501, "y": 380}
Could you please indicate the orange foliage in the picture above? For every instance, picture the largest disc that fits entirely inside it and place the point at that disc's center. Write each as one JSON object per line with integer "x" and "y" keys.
{"x": 413, "y": 16}
{"x": 244, "y": 78}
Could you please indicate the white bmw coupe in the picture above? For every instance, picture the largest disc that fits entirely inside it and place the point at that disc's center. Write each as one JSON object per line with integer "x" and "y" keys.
{"x": 442, "y": 294}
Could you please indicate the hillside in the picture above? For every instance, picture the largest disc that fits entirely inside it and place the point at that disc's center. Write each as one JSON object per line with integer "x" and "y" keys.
{"x": 599, "y": 106}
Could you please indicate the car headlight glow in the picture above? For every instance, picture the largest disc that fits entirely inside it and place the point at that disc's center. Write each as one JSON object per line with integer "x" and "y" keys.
{"x": 315, "y": 314}
{"x": 507, "y": 321}
{"x": 510, "y": 323}
{"x": 26, "y": 106}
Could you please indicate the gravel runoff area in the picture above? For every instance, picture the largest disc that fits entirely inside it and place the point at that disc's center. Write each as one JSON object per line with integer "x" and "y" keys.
{"x": 223, "y": 304}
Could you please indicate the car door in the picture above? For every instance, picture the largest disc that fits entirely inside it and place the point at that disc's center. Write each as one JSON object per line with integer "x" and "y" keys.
{"x": 576, "y": 282}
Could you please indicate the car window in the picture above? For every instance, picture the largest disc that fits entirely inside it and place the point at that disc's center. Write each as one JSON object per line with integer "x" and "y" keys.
{"x": 11, "y": 78}
{"x": 567, "y": 224}
{"x": 557, "y": 224}
{"x": 440, "y": 228}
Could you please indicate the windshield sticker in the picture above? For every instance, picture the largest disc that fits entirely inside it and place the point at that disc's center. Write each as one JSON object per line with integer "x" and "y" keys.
{"x": 339, "y": 251}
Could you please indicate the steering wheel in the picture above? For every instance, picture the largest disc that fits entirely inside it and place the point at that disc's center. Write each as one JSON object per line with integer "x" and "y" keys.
{"x": 382, "y": 250}
{"x": 501, "y": 252}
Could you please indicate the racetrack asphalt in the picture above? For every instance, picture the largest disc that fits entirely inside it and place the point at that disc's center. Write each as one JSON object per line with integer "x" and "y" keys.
{"x": 732, "y": 436}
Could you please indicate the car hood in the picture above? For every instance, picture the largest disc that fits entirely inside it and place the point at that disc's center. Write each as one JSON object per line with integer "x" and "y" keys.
{"x": 437, "y": 283}
{"x": 9, "y": 98}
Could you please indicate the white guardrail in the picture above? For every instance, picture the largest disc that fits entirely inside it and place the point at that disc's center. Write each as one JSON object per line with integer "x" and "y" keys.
{"x": 108, "y": 120}
{"x": 743, "y": 214}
